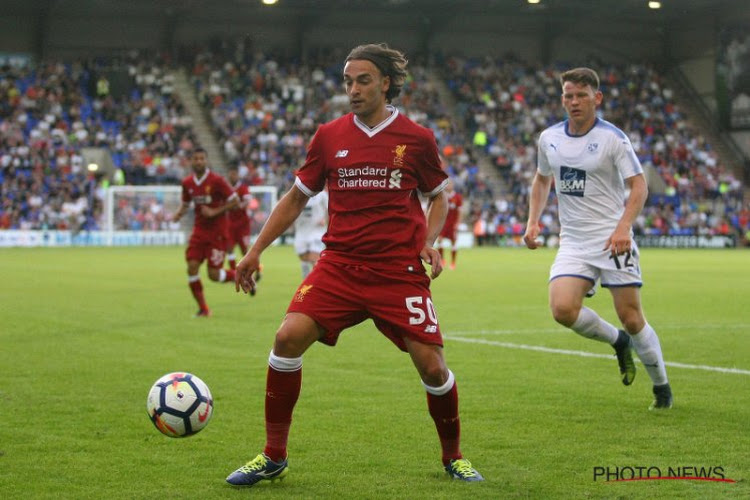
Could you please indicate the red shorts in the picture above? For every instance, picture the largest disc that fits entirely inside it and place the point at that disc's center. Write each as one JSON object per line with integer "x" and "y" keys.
{"x": 449, "y": 232}
{"x": 338, "y": 296}
{"x": 209, "y": 247}
{"x": 239, "y": 235}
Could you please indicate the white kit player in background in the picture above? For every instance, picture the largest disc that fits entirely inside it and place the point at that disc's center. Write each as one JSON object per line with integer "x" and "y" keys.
{"x": 590, "y": 161}
{"x": 309, "y": 229}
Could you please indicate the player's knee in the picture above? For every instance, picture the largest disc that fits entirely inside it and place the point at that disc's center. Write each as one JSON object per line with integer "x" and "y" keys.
{"x": 565, "y": 314}
{"x": 434, "y": 374}
{"x": 440, "y": 383}
{"x": 633, "y": 322}
{"x": 213, "y": 274}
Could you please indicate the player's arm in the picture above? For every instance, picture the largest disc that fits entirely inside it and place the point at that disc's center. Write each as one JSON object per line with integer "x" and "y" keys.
{"x": 540, "y": 188}
{"x": 437, "y": 210}
{"x": 282, "y": 216}
{"x": 619, "y": 242}
{"x": 180, "y": 212}
{"x": 231, "y": 203}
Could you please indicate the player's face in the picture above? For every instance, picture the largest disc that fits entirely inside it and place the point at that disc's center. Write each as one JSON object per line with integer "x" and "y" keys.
{"x": 233, "y": 176}
{"x": 580, "y": 102}
{"x": 366, "y": 87}
{"x": 199, "y": 162}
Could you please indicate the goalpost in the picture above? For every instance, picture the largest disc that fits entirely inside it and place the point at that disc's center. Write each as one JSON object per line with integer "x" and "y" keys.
{"x": 140, "y": 215}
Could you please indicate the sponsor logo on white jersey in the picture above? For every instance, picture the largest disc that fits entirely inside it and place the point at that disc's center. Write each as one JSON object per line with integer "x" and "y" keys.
{"x": 572, "y": 181}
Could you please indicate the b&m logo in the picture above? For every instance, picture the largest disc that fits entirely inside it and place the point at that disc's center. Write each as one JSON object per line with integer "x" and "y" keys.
{"x": 572, "y": 181}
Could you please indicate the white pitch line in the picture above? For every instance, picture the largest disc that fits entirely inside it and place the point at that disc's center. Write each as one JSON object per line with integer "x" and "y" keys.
{"x": 584, "y": 354}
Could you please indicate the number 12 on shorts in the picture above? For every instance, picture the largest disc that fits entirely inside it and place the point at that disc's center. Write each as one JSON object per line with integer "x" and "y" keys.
{"x": 417, "y": 306}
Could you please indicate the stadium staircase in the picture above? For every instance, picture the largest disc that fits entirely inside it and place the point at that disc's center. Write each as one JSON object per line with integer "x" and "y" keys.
{"x": 490, "y": 173}
{"x": 201, "y": 124}
{"x": 729, "y": 152}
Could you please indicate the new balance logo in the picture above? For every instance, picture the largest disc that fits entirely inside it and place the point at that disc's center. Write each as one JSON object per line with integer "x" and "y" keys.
{"x": 341, "y": 153}
{"x": 430, "y": 329}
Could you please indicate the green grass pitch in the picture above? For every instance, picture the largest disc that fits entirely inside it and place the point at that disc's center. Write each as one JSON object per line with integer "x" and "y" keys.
{"x": 84, "y": 332}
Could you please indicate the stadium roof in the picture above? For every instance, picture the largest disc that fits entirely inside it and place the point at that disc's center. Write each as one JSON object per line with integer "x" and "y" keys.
{"x": 591, "y": 9}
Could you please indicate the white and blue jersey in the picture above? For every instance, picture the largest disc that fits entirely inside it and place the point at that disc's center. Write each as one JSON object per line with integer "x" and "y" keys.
{"x": 589, "y": 171}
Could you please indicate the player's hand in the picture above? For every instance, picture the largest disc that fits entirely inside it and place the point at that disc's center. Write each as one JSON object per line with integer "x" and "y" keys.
{"x": 207, "y": 211}
{"x": 244, "y": 275}
{"x": 619, "y": 241}
{"x": 531, "y": 237}
{"x": 432, "y": 257}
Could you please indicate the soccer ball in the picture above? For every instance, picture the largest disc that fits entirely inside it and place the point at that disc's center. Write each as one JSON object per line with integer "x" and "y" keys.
{"x": 179, "y": 404}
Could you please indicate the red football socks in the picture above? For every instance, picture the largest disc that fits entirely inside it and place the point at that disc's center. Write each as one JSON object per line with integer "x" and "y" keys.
{"x": 444, "y": 411}
{"x": 197, "y": 288}
{"x": 282, "y": 391}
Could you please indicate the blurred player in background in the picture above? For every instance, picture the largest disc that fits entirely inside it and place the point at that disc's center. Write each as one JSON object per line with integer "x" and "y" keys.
{"x": 449, "y": 233}
{"x": 374, "y": 161}
{"x": 309, "y": 229}
{"x": 239, "y": 222}
{"x": 590, "y": 161}
{"x": 212, "y": 197}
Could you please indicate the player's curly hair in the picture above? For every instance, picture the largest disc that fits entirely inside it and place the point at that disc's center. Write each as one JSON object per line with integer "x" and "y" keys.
{"x": 581, "y": 76}
{"x": 391, "y": 63}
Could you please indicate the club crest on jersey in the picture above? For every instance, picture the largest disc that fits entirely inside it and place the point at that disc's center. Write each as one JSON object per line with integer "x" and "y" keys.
{"x": 592, "y": 147}
{"x": 572, "y": 181}
{"x": 400, "y": 151}
{"x": 302, "y": 292}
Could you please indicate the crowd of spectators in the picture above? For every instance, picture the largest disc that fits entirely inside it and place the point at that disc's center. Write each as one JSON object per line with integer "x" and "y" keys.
{"x": 51, "y": 112}
{"x": 265, "y": 107}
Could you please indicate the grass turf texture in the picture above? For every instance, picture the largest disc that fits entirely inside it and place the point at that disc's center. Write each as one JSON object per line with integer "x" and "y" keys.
{"x": 85, "y": 332}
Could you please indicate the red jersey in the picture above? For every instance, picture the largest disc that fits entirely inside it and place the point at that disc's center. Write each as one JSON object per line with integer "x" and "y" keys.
{"x": 238, "y": 217}
{"x": 454, "y": 210}
{"x": 212, "y": 190}
{"x": 373, "y": 175}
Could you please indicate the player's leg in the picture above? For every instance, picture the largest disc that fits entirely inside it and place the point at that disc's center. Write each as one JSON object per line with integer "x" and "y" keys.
{"x": 454, "y": 250}
{"x": 442, "y": 402}
{"x": 627, "y": 300}
{"x": 304, "y": 264}
{"x": 231, "y": 258}
{"x": 283, "y": 384}
{"x": 196, "y": 287}
{"x": 216, "y": 271}
{"x": 566, "y": 295}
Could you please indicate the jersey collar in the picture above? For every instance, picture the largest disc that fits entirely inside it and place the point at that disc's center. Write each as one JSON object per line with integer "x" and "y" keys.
{"x": 203, "y": 177}
{"x": 567, "y": 131}
{"x": 380, "y": 126}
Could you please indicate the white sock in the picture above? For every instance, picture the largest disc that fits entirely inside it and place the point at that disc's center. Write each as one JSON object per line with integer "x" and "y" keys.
{"x": 230, "y": 257}
{"x": 592, "y": 326}
{"x": 646, "y": 345}
{"x": 284, "y": 364}
{"x": 222, "y": 275}
{"x": 306, "y": 268}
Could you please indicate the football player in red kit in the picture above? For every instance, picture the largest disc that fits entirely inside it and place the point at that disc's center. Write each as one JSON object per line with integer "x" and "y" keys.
{"x": 450, "y": 228}
{"x": 212, "y": 197}
{"x": 374, "y": 162}
{"x": 239, "y": 221}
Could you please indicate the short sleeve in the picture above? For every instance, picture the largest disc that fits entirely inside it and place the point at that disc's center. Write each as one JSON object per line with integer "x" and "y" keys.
{"x": 624, "y": 157}
{"x": 312, "y": 174}
{"x": 542, "y": 162}
{"x": 431, "y": 178}
{"x": 185, "y": 193}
